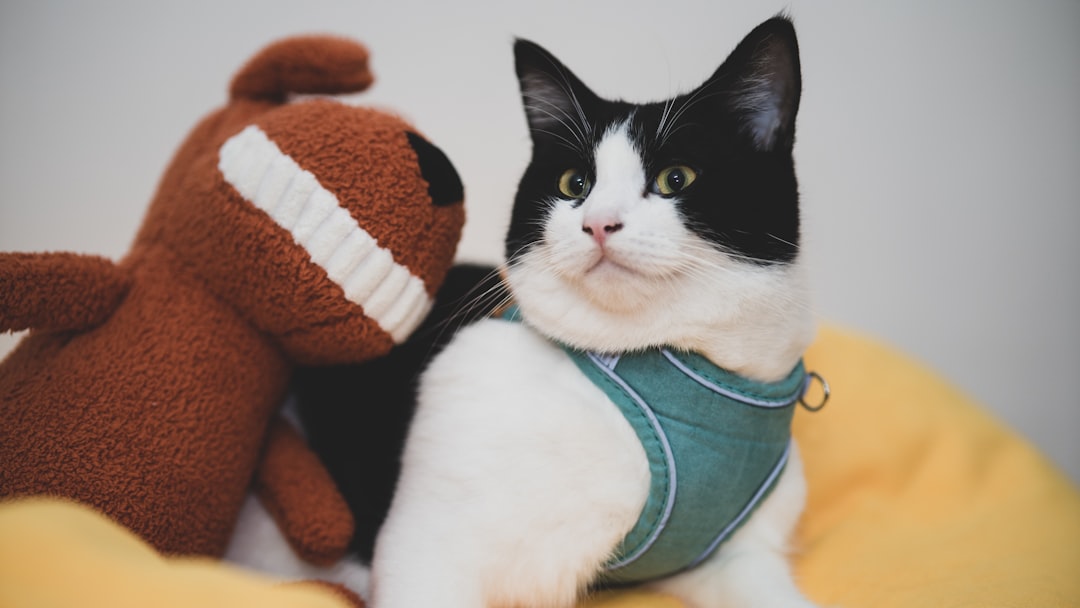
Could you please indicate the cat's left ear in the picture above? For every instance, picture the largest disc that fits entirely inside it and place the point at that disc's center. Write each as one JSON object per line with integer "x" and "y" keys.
{"x": 554, "y": 98}
{"x": 764, "y": 83}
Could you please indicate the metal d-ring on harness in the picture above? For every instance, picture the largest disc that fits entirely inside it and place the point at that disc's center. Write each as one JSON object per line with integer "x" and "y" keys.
{"x": 810, "y": 377}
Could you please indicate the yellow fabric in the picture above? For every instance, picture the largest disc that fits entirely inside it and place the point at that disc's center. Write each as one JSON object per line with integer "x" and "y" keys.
{"x": 917, "y": 498}
{"x": 58, "y": 554}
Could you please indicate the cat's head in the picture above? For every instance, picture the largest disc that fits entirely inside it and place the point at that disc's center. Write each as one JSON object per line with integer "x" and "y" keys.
{"x": 671, "y": 223}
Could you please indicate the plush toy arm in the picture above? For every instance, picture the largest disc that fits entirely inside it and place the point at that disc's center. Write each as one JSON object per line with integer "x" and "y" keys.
{"x": 301, "y": 496}
{"x": 58, "y": 291}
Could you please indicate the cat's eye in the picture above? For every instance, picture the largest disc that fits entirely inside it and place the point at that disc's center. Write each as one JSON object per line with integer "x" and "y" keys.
{"x": 672, "y": 180}
{"x": 574, "y": 183}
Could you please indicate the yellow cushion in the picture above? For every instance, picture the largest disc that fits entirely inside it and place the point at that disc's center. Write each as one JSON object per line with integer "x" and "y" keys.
{"x": 918, "y": 497}
{"x": 58, "y": 554}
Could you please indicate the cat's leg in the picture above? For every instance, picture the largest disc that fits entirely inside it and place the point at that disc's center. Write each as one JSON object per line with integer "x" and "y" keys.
{"x": 500, "y": 542}
{"x": 486, "y": 536}
{"x": 751, "y": 568}
{"x": 512, "y": 491}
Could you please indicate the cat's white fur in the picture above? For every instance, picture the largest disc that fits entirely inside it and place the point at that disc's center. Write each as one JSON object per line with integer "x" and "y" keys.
{"x": 520, "y": 476}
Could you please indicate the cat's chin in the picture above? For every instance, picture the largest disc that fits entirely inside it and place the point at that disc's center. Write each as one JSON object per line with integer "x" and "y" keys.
{"x": 605, "y": 306}
{"x": 750, "y": 320}
{"x": 607, "y": 269}
{"x": 612, "y": 287}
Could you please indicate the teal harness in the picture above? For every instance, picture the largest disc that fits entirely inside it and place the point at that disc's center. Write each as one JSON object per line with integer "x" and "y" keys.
{"x": 716, "y": 444}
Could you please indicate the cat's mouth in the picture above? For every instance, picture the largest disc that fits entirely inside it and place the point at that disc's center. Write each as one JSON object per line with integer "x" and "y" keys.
{"x": 605, "y": 264}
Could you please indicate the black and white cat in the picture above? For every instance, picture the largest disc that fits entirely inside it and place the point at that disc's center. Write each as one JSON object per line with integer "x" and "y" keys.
{"x": 669, "y": 228}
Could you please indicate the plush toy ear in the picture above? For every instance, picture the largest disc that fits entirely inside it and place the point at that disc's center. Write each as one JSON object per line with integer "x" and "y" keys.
{"x": 313, "y": 65}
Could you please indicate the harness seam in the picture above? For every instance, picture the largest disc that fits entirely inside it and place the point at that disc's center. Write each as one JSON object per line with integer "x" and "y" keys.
{"x": 735, "y": 391}
{"x": 641, "y": 547}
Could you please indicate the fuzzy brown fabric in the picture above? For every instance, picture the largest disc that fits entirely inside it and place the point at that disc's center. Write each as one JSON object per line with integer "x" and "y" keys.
{"x": 59, "y": 291}
{"x": 303, "y": 486}
{"x": 149, "y": 388}
{"x": 335, "y": 65}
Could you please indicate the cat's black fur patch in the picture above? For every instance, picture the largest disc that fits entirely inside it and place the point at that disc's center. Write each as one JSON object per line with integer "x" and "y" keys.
{"x": 736, "y": 130}
{"x": 356, "y": 416}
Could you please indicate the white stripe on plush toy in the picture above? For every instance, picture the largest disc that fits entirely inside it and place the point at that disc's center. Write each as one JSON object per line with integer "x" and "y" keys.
{"x": 272, "y": 181}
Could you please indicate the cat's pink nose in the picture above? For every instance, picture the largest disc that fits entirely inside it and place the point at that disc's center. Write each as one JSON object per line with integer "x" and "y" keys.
{"x": 600, "y": 229}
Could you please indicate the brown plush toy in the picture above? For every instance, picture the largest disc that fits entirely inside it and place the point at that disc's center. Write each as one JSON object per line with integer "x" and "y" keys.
{"x": 285, "y": 231}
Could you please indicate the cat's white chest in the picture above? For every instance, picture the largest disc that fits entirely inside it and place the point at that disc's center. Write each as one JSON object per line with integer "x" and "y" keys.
{"x": 511, "y": 442}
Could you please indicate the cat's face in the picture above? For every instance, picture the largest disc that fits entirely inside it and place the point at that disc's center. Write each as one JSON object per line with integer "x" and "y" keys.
{"x": 639, "y": 225}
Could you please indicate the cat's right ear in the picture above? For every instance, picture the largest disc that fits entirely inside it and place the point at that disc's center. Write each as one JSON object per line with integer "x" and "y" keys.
{"x": 553, "y": 97}
{"x": 765, "y": 82}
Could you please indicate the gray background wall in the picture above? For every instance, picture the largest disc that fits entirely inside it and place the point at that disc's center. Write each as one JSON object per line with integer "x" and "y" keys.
{"x": 939, "y": 144}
